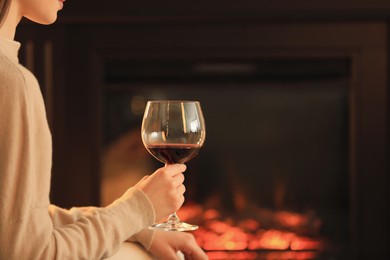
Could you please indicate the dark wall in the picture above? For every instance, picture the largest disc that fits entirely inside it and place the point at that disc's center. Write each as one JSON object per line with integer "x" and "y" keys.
{"x": 258, "y": 9}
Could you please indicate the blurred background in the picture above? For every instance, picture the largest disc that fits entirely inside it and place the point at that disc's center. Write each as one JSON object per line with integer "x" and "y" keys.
{"x": 294, "y": 94}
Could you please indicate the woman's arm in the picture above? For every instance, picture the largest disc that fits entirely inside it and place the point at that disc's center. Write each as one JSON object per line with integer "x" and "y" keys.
{"x": 61, "y": 217}
{"x": 27, "y": 230}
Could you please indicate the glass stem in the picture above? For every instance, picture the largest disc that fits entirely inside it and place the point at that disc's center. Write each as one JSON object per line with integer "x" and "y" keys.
{"x": 173, "y": 218}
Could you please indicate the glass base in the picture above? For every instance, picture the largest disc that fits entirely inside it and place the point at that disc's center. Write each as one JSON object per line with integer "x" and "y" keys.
{"x": 181, "y": 226}
{"x": 173, "y": 224}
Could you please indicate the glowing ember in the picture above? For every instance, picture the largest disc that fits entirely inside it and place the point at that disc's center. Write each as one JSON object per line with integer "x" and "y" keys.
{"x": 301, "y": 243}
{"x": 232, "y": 255}
{"x": 248, "y": 237}
{"x": 290, "y": 219}
{"x": 274, "y": 239}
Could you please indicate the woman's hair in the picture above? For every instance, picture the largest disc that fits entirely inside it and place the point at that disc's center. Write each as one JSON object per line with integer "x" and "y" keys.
{"x": 4, "y": 6}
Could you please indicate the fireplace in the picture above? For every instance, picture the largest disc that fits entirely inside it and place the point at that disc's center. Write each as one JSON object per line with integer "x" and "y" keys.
{"x": 264, "y": 234}
{"x": 294, "y": 161}
{"x": 272, "y": 178}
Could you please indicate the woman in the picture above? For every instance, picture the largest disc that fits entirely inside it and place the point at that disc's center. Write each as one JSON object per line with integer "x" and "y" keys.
{"x": 31, "y": 228}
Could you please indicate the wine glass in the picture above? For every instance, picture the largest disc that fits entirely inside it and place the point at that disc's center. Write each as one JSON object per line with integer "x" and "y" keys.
{"x": 173, "y": 131}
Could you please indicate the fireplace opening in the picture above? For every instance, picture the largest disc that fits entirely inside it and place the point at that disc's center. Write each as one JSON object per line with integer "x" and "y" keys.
{"x": 271, "y": 181}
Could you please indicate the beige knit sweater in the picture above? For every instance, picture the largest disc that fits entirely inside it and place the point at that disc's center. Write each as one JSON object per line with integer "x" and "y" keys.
{"x": 31, "y": 228}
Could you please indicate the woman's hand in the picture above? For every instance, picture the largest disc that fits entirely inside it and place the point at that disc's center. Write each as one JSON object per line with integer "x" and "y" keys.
{"x": 165, "y": 189}
{"x": 166, "y": 244}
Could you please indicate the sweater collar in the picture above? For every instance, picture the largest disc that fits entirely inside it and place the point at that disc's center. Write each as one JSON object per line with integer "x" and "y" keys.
{"x": 10, "y": 48}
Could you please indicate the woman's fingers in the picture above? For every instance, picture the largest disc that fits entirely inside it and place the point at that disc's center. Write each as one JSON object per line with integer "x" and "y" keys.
{"x": 191, "y": 250}
{"x": 178, "y": 180}
{"x": 174, "y": 169}
{"x": 165, "y": 189}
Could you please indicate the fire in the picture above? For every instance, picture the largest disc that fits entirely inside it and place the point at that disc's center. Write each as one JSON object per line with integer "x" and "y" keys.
{"x": 272, "y": 239}
{"x": 290, "y": 219}
{"x": 221, "y": 237}
{"x": 302, "y": 243}
{"x": 235, "y": 238}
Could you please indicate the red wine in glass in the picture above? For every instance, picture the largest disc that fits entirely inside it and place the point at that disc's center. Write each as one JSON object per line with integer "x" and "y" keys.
{"x": 173, "y": 153}
{"x": 173, "y": 131}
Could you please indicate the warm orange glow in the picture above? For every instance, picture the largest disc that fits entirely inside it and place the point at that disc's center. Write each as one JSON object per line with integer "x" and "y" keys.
{"x": 232, "y": 255}
{"x": 249, "y": 224}
{"x": 217, "y": 255}
{"x": 219, "y": 227}
{"x": 290, "y": 219}
{"x": 290, "y": 255}
{"x": 211, "y": 214}
{"x": 225, "y": 237}
{"x": 190, "y": 212}
{"x": 305, "y": 244}
{"x": 245, "y": 238}
{"x": 274, "y": 239}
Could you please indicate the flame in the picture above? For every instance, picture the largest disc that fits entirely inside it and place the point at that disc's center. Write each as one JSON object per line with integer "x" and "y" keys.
{"x": 290, "y": 219}
{"x": 228, "y": 238}
{"x": 302, "y": 243}
{"x": 274, "y": 239}
{"x": 232, "y": 255}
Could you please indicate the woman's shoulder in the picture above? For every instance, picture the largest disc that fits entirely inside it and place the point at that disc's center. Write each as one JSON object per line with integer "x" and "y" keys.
{"x": 11, "y": 78}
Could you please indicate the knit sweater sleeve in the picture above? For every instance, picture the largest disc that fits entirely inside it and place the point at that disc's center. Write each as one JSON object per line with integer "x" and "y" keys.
{"x": 29, "y": 227}
{"x": 101, "y": 230}
{"x": 62, "y": 217}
